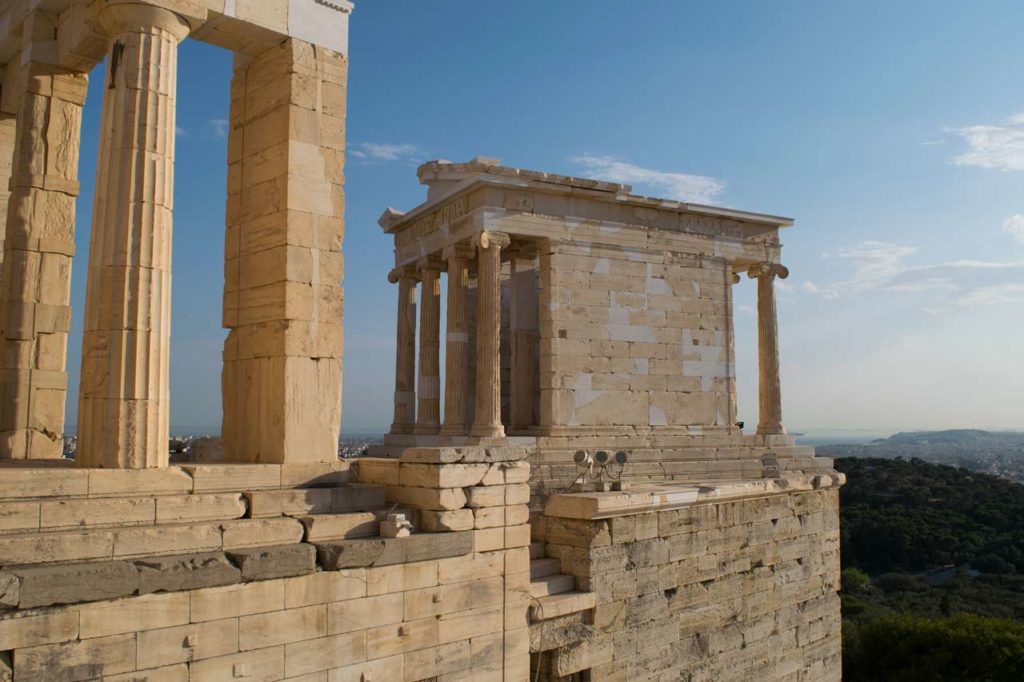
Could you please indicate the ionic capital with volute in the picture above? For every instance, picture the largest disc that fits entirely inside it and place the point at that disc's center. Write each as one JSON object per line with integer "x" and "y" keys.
{"x": 487, "y": 239}
{"x": 403, "y": 272}
{"x": 758, "y": 270}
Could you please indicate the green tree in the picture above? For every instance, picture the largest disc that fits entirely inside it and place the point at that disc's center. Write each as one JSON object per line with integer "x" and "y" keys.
{"x": 911, "y": 649}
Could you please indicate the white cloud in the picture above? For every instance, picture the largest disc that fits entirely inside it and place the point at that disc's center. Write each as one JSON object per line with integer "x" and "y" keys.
{"x": 683, "y": 186}
{"x": 880, "y": 266}
{"x": 994, "y": 146}
{"x": 386, "y": 152}
{"x": 180, "y": 132}
{"x": 219, "y": 126}
{"x": 1015, "y": 226}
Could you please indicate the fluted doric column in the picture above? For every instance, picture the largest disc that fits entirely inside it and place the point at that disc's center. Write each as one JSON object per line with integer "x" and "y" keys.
{"x": 36, "y": 310}
{"x": 769, "y": 392}
{"x": 123, "y": 404}
{"x": 487, "y": 419}
{"x": 405, "y": 357}
{"x": 456, "y": 366}
{"x": 428, "y": 391}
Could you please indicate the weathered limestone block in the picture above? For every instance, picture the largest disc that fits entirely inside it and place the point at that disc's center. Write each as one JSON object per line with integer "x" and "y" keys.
{"x": 72, "y": 583}
{"x": 377, "y": 471}
{"x": 174, "y": 508}
{"x": 463, "y": 455}
{"x": 10, "y": 590}
{"x": 231, "y": 601}
{"x": 320, "y": 527}
{"x": 391, "y": 551}
{"x": 435, "y": 521}
{"x": 87, "y": 659}
{"x": 160, "y": 650}
{"x": 185, "y": 572}
{"x": 351, "y": 554}
{"x": 260, "y": 532}
{"x": 280, "y": 561}
{"x": 441, "y": 476}
{"x": 326, "y": 586}
{"x": 439, "y": 499}
{"x": 581, "y": 656}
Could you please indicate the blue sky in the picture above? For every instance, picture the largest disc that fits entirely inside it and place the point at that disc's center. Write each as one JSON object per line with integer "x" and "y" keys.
{"x": 892, "y": 132}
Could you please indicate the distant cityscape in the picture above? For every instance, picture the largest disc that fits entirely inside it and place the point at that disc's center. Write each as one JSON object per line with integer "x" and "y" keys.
{"x": 187, "y": 447}
{"x": 1000, "y": 453}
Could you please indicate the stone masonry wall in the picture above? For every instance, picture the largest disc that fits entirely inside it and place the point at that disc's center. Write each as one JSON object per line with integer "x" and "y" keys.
{"x": 731, "y": 590}
{"x": 277, "y": 582}
{"x": 634, "y": 337}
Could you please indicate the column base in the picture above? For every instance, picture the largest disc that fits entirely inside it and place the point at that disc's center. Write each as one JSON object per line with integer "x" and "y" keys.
{"x": 776, "y": 429}
{"x": 426, "y": 429}
{"x": 487, "y": 431}
{"x": 454, "y": 430}
{"x": 401, "y": 428}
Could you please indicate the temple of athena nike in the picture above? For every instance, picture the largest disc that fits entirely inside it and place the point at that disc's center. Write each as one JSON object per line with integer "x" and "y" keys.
{"x": 567, "y": 491}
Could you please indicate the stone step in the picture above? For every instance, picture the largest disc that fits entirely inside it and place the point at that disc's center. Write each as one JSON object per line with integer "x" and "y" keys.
{"x": 564, "y": 604}
{"x": 537, "y": 550}
{"x": 342, "y": 526}
{"x": 61, "y": 479}
{"x": 88, "y": 544}
{"x": 306, "y": 501}
{"x": 540, "y": 568}
{"x": 552, "y": 584}
{"x": 53, "y": 515}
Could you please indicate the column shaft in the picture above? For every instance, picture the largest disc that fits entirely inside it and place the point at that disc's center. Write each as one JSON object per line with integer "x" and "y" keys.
{"x": 405, "y": 356}
{"x": 769, "y": 390}
{"x": 428, "y": 391}
{"x": 124, "y": 397}
{"x": 523, "y": 329}
{"x": 38, "y": 249}
{"x": 456, "y": 373}
{"x": 487, "y": 419}
{"x": 283, "y": 267}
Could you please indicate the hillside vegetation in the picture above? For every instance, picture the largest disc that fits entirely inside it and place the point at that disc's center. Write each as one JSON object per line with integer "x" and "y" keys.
{"x": 933, "y": 572}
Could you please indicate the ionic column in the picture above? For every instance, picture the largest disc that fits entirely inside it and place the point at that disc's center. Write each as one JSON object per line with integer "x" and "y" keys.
{"x": 428, "y": 391}
{"x": 769, "y": 393}
{"x": 523, "y": 330}
{"x": 124, "y": 397}
{"x": 487, "y": 419}
{"x": 456, "y": 366}
{"x": 731, "y": 278}
{"x": 40, "y": 242}
{"x": 405, "y": 356}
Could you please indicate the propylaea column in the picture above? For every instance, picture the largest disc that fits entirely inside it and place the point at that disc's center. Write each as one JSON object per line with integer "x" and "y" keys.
{"x": 428, "y": 389}
{"x": 456, "y": 366}
{"x": 124, "y": 396}
{"x": 487, "y": 418}
{"x": 39, "y": 245}
{"x": 405, "y": 356}
{"x": 769, "y": 391}
{"x": 283, "y": 301}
